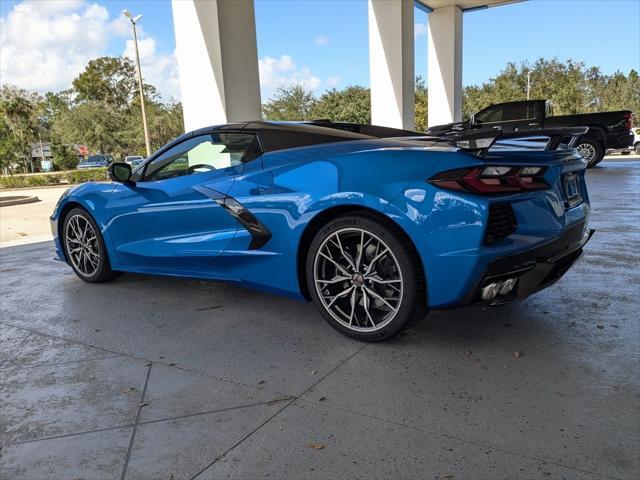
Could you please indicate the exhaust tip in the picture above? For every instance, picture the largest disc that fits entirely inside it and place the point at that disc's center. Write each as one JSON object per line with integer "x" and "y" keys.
{"x": 507, "y": 286}
{"x": 503, "y": 287}
{"x": 490, "y": 291}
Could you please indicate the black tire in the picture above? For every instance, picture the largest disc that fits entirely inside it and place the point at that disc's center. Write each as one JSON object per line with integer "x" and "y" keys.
{"x": 636, "y": 148}
{"x": 591, "y": 150}
{"x": 402, "y": 261}
{"x": 97, "y": 272}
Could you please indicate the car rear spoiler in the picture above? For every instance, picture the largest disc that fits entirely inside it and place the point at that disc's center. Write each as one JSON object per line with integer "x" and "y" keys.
{"x": 481, "y": 141}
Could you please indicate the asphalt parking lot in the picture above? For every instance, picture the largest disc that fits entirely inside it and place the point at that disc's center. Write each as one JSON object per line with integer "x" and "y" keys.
{"x": 176, "y": 379}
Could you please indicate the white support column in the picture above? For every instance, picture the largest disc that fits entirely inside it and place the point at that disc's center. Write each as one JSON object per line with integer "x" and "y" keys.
{"x": 217, "y": 60}
{"x": 391, "y": 63}
{"x": 444, "y": 70}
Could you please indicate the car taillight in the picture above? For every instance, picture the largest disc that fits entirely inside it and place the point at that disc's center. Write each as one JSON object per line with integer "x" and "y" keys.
{"x": 627, "y": 121}
{"x": 492, "y": 179}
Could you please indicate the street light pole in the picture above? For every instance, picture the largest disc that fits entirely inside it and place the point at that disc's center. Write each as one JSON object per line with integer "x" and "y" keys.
{"x": 528, "y": 83}
{"x": 133, "y": 20}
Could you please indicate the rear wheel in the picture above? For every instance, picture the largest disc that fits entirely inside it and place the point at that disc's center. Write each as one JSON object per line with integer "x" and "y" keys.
{"x": 84, "y": 247}
{"x": 591, "y": 150}
{"x": 365, "y": 277}
{"x": 636, "y": 148}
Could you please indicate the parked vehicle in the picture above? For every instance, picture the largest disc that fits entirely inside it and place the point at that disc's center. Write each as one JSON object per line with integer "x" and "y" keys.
{"x": 134, "y": 160}
{"x": 96, "y": 161}
{"x": 636, "y": 140}
{"x": 607, "y": 130}
{"x": 634, "y": 147}
{"x": 374, "y": 230}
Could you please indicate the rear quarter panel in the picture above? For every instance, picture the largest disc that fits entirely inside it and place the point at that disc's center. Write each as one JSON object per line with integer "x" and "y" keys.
{"x": 295, "y": 185}
{"x": 446, "y": 227}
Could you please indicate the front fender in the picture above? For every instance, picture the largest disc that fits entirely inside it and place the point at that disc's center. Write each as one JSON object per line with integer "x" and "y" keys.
{"x": 92, "y": 196}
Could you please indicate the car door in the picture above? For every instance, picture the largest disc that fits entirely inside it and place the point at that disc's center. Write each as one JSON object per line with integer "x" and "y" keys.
{"x": 171, "y": 220}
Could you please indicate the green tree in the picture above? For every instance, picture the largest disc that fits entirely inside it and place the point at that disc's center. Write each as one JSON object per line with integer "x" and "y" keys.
{"x": 53, "y": 105}
{"x": 422, "y": 105}
{"x": 21, "y": 115}
{"x": 352, "y": 104}
{"x": 621, "y": 92}
{"x": 293, "y": 103}
{"x": 95, "y": 124}
{"x": 570, "y": 85}
{"x": 165, "y": 122}
{"x": 64, "y": 156}
{"x": 562, "y": 83}
{"x": 107, "y": 79}
{"x": 112, "y": 80}
{"x": 105, "y": 112}
{"x": 9, "y": 147}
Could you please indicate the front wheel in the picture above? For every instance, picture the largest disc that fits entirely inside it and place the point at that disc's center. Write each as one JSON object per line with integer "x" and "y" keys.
{"x": 84, "y": 247}
{"x": 591, "y": 150}
{"x": 365, "y": 277}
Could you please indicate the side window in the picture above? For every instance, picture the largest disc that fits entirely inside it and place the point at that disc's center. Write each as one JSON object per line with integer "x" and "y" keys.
{"x": 490, "y": 114}
{"x": 203, "y": 153}
{"x": 519, "y": 111}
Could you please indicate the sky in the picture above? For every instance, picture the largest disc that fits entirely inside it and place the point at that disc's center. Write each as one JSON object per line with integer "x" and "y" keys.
{"x": 320, "y": 44}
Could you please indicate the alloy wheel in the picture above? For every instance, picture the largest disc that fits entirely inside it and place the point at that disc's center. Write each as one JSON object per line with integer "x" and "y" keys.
{"x": 587, "y": 151}
{"x": 358, "y": 279}
{"x": 82, "y": 245}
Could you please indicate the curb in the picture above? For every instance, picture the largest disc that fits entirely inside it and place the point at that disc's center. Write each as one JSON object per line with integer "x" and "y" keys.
{"x": 17, "y": 200}
{"x": 27, "y": 241}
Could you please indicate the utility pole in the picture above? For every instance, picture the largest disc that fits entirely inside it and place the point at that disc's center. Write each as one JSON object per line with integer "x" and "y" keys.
{"x": 134, "y": 20}
{"x": 41, "y": 150}
{"x": 528, "y": 83}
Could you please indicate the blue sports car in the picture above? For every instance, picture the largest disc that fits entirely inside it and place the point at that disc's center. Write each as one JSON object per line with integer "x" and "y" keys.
{"x": 375, "y": 225}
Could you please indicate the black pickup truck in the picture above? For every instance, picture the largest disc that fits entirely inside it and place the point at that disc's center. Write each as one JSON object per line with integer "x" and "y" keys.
{"x": 607, "y": 130}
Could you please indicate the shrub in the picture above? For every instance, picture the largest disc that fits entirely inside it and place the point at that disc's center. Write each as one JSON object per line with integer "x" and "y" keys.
{"x": 14, "y": 181}
{"x": 88, "y": 175}
{"x": 36, "y": 180}
{"x": 22, "y": 181}
{"x": 39, "y": 180}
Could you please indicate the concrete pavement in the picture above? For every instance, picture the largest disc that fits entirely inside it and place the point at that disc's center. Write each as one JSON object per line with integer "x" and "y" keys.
{"x": 28, "y": 223}
{"x": 164, "y": 378}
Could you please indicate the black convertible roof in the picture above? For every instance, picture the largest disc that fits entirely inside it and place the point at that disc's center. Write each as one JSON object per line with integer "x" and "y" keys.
{"x": 282, "y": 135}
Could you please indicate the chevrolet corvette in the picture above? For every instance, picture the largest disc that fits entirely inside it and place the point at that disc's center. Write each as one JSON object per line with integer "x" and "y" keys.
{"x": 376, "y": 226}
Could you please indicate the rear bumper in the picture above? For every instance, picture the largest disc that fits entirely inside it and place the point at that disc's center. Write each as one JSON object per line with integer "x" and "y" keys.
{"x": 623, "y": 141}
{"x": 534, "y": 269}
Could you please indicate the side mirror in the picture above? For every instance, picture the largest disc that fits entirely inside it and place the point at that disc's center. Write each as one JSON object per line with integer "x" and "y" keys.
{"x": 120, "y": 172}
